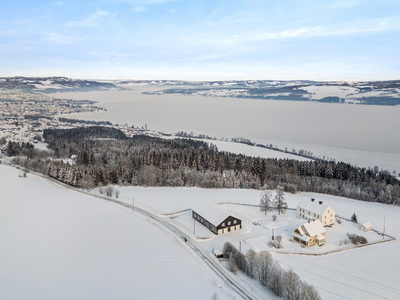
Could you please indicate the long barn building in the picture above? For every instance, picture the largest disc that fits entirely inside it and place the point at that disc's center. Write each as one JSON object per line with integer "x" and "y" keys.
{"x": 216, "y": 219}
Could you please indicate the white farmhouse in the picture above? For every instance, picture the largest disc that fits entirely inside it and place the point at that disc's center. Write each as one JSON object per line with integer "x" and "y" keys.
{"x": 310, "y": 233}
{"x": 316, "y": 210}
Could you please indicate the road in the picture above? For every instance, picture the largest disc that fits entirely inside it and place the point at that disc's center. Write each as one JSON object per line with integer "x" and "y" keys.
{"x": 211, "y": 261}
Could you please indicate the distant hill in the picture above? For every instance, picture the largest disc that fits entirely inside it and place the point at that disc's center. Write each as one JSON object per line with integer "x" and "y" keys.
{"x": 53, "y": 84}
{"x": 360, "y": 92}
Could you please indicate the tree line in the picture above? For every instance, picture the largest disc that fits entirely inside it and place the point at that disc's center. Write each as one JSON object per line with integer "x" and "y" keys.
{"x": 106, "y": 156}
{"x": 266, "y": 270}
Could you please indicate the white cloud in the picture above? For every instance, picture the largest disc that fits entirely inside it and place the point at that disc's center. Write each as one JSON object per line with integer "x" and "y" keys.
{"x": 93, "y": 20}
{"x": 139, "y": 9}
{"x": 344, "y": 4}
{"x": 157, "y": 1}
{"x": 319, "y": 31}
{"x": 56, "y": 39}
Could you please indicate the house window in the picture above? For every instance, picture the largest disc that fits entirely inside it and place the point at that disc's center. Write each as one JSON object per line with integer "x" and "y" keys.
{"x": 325, "y": 217}
{"x": 229, "y": 223}
{"x": 234, "y": 222}
{"x": 223, "y": 224}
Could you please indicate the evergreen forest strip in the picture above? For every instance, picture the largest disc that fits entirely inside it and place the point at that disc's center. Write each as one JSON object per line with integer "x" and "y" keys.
{"x": 105, "y": 156}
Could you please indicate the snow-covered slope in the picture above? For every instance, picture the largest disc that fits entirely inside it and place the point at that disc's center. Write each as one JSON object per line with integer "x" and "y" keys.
{"x": 61, "y": 244}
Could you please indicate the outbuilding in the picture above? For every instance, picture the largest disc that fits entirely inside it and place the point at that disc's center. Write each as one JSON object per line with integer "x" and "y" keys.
{"x": 367, "y": 226}
{"x": 215, "y": 218}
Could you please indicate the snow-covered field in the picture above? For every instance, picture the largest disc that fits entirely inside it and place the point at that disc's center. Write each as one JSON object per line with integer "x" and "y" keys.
{"x": 248, "y": 150}
{"x": 371, "y": 272}
{"x": 61, "y": 244}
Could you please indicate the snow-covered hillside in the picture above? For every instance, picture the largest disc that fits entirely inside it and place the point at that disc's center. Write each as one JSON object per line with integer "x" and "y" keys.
{"x": 61, "y": 244}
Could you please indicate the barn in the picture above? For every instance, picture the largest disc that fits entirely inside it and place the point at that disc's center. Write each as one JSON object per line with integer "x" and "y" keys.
{"x": 215, "y": 218}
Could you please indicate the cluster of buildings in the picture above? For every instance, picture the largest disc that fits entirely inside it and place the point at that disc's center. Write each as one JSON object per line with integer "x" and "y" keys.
{"x": 318, "y": 217}
{"x": 23, "y": 116}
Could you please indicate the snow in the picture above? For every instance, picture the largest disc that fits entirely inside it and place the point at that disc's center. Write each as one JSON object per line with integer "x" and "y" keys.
{"x": 239, "y": 148}
{"x": 369, "y": 272}
{"x": 211, "y": 212}
{"x": 61, "y": 244}
{"x": 313, "y": 206}
{"x": 319, "y": 92}
{"x": 314, "y": 227}
{"x": 41, "y": 146}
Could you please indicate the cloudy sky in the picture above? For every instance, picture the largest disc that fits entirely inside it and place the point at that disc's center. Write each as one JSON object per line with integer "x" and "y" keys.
{"x": 201, "y": 40}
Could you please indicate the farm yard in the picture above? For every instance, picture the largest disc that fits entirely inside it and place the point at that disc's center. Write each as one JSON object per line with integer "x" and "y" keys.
{"x": 370, "y": 272}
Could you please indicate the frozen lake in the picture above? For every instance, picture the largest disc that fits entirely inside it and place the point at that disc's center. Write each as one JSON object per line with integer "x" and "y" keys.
{"x": 359, "y": 134}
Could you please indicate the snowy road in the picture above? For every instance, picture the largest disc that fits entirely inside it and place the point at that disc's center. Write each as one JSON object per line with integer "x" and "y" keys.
{"x": 212, "y": 262}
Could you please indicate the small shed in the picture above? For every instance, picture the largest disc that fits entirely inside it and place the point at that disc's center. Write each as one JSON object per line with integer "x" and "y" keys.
{"x": 367, "y": 226}
{"x": 218, "y": 253}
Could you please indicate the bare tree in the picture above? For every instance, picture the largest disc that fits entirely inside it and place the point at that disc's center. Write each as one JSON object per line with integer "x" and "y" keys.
{"x": 308, "y": 292}
{"x": 265, "y": 267}
{"x": 280, "y": 200}
{"x": 291, "y": 285}
{"x": 214, "y": 296}
{"x": 251, "y": 257}
{"x": 109, "y": 190}
{"x": 275, "y": 281}
{"x": 265, "y": 201}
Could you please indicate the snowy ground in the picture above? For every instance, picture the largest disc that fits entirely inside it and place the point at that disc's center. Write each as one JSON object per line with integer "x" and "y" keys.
{"x": 60, "y": 244}
{"x": 65, "y": 245}
{"x": 248, "y": 150}
{"x": 371, "y": 272}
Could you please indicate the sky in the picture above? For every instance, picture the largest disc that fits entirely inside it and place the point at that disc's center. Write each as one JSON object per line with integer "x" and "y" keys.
{"x": 201, "y": 40}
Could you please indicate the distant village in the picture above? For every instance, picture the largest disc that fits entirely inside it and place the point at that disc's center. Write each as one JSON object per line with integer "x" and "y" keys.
{"x": 24, "y": 116}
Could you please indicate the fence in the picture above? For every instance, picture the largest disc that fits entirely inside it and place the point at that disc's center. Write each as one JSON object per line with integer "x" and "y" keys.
{"x": 337, "y": 250}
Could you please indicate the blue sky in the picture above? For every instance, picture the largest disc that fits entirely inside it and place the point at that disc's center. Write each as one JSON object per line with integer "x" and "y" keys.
{"x": 201, "y": 40}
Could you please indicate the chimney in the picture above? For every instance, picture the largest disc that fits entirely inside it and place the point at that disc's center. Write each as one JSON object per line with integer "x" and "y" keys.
{"x": 312, "y": 199}
{"x": 320, "y": 202}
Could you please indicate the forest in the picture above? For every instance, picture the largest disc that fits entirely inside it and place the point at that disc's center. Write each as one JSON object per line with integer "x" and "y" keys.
{"x": 105, "y": 156}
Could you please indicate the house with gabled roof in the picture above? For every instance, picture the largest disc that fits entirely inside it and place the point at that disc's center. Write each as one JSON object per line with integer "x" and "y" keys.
{"x": 310, "y": 209}
{"x": 310, "y": 233}
{"x": 215, "y": 218}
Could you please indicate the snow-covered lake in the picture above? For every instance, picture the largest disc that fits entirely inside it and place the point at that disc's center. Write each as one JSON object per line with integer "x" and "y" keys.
{"x": 359, "y": 134}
